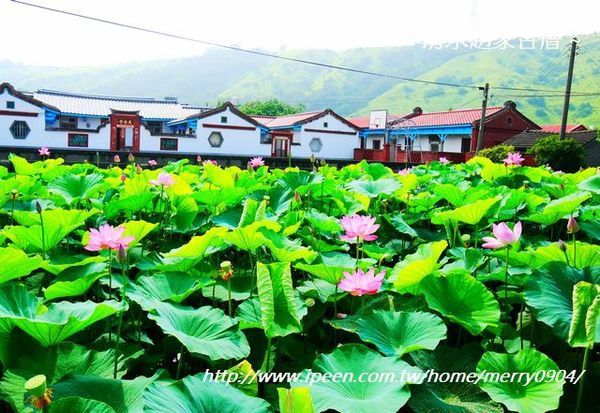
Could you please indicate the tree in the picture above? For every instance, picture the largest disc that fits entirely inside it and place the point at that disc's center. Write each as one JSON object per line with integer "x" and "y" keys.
{"x": 271, "y": 107}
{"x": 561, "y": 154}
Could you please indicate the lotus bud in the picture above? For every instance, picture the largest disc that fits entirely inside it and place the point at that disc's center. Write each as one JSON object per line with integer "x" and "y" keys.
{"x": 267, "y": 199}
{"x": 14, "y": 193}
{"x": 198, "y": 159}
{"x": 116, "y": 158}
{"x": 309, "y": 302}
{"x": 313, "y": 158}
{"x": 138, "y": 169}
{"x": 130, "y": 157}
{"x": 323, "y": 162}
{"x": 562, "y": 245}
{"x": 122, "y": 254}
{"x": 341, "y": 316}
{"x": 226, "y": 270}
{"x": 562, "y": 186}
{"x": 297, "y": 196}
{"x": 123, "y": 177}
{"x": 38, "y": 207}
{"x": 572, "y": 226}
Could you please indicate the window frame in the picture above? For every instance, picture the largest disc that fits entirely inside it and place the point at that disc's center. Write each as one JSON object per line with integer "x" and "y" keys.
{"x": 10, "y": 104}
{"x": 66, "y": 122}
{"x": 23, "y": 126}
{"x": 72, "y": 135}
{"x": 162, "y": 148}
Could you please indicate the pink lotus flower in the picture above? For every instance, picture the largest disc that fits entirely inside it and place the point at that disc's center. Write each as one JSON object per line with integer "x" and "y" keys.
{"x": 211, "y": 161}
{"x": 514, "y": 159}
{"x": 504, "y": 236}
{"x": 256, "y": 162}
{"x": 198, "y": 159}
{"x": 108, "y": 237}
{"x": 358, "y": 226}
{"x": 123, "y": 178}
{"x": 443, "y": 159}
{"x": 116, "y": 158}
{"x": 44, "y": 151}
{"x": 405, "y": 171}
{"x": 360, "y": 283}
{"x": 164, "y": 179}
{"x": 152, "y": 162}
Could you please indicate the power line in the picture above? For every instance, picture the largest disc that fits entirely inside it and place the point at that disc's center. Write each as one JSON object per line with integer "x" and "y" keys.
{"x": 270, "y": 55}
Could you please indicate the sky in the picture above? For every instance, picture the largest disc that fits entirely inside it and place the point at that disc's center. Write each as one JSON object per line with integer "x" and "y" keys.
{"x": 39, "y": 37}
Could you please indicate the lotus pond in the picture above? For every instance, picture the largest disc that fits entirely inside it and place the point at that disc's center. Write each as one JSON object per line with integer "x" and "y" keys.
{"x": 196, "y": 288}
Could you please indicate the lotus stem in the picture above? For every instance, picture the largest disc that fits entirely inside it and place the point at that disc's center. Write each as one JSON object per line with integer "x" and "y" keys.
{"x": 251, "y": 273}
{"x": 506, "y": 284}
{"x": 268, "y": 355}
{"x": 574, "y": 250}
{"x": 586, "y": 356}
{"x": 228, "y": 296}
{"x": 43, "y": 234}
{"x": 120, "y": 322}
{"x": 109, "y": 293}
{"x": 180, "y": 363}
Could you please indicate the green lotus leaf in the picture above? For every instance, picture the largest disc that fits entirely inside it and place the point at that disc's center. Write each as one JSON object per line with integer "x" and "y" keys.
{"x": 456, "y": 396}
{"x": 373, "y": 189}
{"x": 76, "y": 187}
{"x": 58, "y": 223}
{"x": 585, "y": 325}
{"x": 55, "y": 363}
{"x": 185, "y": 212}
{"x": 323, "y": 222}
{"x": 549, "y": 292}
{"x": 216, "y": 197}
{"x": 54, "y": 324}
{"x": 200, "y": 394}
{"x": 147, "y": 290}
{"x": 14, "y": 263}
{"x": 353, "y": 396}
{"x": 285, "y": 249}
{"x": 462, "y": 299}
{"x": 137, "y": 229}
{"x": 450, "y": 193}
{"x": 205, "y": 331}
{"x": 331, "y": 269}
{"x": 559, "y": 208}
{"x": 398, "y": 333}
{"x": 76, "y": 281}
{"x": 470, "y": 214}
{"x": 280, "y": 314}
{"x": 189, "y": 254}
{"x": 62, "y": 260}
{"x": 518, "y": 395}
{"x": 584, "y": 255}
{"x": 217, "y": 176}
{"x": 296, "y": 180}
{"x": 409, "y": 272}
{"x": 123, "y": 396}
{"x": 249, "y": 238}
{"x": 591, "y": 184}
{"x": 295, "y": 400}
{"x": 400, "y": 225}
{"x": 74, "y": 404}
{"x": 129, "y": 204}
{"x": 23, "y": 167}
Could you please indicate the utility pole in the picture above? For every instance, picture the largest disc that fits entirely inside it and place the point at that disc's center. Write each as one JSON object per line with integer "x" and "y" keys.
{"x": 485, "y": 89}
{"x": 565, "y": 114}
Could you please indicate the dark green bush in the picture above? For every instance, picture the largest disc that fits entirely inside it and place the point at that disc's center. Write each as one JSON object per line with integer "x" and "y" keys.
{"x": 561, "y": 154}
{"x": 497, "y": 153}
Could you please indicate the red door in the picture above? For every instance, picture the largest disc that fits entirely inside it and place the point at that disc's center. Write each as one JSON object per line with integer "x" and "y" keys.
{"x": 280, "y": 145}
{"x": 125, "y": 131}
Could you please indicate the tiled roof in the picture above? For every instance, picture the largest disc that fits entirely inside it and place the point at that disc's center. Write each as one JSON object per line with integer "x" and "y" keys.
{"x": 528, "y": 138}
{"x": 556, "y": 128}
{"x": 288, "y": 120}
{"x": 363, "y": 121}
{"x": 452, "y": 117}
{"x": 99, "y": 105}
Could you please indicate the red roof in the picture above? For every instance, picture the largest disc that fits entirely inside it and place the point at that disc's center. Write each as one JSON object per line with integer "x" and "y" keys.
{"x": 452, "y": 117}
{"x": 570, "y": 128}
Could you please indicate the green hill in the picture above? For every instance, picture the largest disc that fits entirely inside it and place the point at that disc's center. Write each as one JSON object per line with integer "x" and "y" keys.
{"x": 220, "y": 75}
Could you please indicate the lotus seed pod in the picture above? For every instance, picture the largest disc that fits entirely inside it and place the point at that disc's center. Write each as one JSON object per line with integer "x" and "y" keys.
{"x": 36, "y": 385}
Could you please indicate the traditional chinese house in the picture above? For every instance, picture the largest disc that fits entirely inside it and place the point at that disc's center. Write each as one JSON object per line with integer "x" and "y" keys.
{"x": 430, "y": 135}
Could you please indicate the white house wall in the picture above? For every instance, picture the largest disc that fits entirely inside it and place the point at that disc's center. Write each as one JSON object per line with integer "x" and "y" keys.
{"x": 335, "y": 145}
